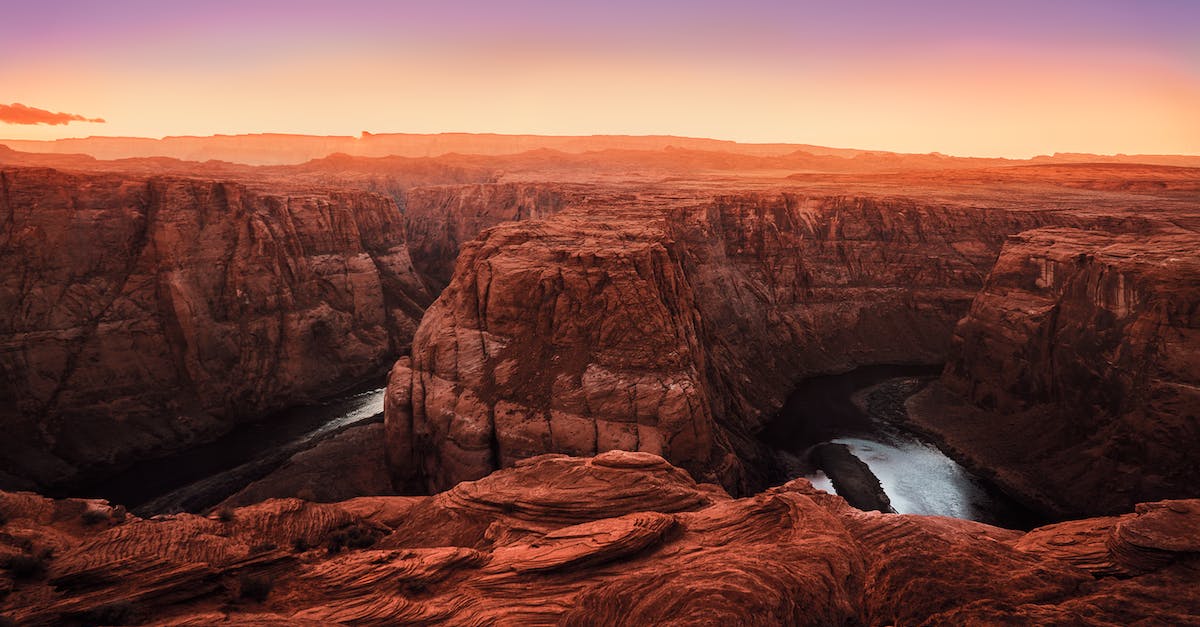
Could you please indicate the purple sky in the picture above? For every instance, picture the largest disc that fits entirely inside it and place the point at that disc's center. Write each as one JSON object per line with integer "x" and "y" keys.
{"x": 101, "y": 59}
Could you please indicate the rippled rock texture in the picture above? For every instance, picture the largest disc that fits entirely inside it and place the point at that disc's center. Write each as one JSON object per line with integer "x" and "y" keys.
{"x": 622, "y": 538}
{"x": 675, "y": 325}
{"x": 137, "y": 314}
{"x": 1076, "y": 375}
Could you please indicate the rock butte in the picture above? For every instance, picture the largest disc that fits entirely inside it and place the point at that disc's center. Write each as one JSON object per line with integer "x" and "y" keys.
{"x": 645, "y": 311}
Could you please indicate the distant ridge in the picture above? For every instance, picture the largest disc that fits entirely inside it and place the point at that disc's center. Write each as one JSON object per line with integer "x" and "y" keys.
{"x": 288, "y": 149}
{"x": 284, "y": 149}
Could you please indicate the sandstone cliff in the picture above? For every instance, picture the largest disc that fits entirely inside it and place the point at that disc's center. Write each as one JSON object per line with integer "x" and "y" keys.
{"x": 1076, "y": 373}
{"x": 676, "y": 325}
{"x": 620, "y": 539}
{"x": 440, "y": 219}
{"x": 139, "y": 314}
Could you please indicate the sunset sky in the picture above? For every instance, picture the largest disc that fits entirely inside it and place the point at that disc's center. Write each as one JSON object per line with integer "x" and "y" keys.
{"x": 1013, "y": 78}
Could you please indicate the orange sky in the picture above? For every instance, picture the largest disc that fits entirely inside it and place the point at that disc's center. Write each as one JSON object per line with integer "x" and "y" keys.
{"x": 979, "y": 90}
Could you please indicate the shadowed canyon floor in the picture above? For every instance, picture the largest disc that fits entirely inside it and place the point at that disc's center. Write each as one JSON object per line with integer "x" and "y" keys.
{"x": 200, "y": 477}
{"x": 642, "y": 313}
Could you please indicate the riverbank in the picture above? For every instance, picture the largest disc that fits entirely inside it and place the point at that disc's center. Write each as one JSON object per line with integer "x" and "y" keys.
{"x": 927, "y": 413}
{"x": 342, "y": 466}
{"x": 202, "y": 476}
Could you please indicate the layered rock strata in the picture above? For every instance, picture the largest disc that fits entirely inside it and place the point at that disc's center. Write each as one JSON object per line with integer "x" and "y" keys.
{"x": 1076, "y": 373}
{"x": 675, "y": 325}
{"x": 140, "y": 314}
{"x": 622, "y": 539}
{"x": 440, "y": 219}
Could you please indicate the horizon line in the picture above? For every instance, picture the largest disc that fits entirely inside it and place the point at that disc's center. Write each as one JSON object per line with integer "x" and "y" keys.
{"x": 363, "y": 135}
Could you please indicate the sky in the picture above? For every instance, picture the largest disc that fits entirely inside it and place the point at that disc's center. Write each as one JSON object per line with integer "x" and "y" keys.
{"x": 1015, "y": 78}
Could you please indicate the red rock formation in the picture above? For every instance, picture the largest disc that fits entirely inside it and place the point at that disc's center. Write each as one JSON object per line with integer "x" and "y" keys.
{"x": 139, "y": 314}
{"x": 439, "y": 220}
{"x": 1080, "y": 366}
{"x": 622, "y": 539}
{"x": 674, "y": 325}
{"x": 482, "y": 391}
{"x": 446, "y": 201}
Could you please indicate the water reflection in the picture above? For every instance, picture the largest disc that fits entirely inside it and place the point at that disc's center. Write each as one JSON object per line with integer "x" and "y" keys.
{"x": 920, "y": 479}
{"x": 864, "y": 410}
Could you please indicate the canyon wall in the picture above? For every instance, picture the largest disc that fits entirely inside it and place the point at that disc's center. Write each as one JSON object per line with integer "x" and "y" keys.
{"x": 439, "y": 219}
{"x": 1076, "y": 374}
{"x": 137, "y": 315}
{"x": 675, "y": 326}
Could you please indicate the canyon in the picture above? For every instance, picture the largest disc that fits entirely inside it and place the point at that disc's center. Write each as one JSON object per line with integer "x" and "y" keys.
{"x": 585, "y": 343}
{"x": 676, "y": 323}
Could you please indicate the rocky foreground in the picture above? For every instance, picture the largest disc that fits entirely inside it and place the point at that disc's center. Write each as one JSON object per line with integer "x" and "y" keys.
{"x": 621, "y": 538}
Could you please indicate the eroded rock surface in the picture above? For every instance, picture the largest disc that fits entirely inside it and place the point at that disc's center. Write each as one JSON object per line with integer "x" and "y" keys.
{"x": 675, "y": 325}
{"x": 622, "y": 538}
{"x": 1076, "y": 373}
{"x": 137, "y": 314}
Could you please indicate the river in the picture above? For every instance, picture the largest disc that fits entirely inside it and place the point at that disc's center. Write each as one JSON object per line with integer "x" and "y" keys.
{"x": 864, "y": 410}
{"x": 202, "y": 476}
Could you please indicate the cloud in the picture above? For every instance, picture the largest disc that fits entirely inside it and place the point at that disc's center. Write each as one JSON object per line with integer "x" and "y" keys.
{"x": 18, "y": 113}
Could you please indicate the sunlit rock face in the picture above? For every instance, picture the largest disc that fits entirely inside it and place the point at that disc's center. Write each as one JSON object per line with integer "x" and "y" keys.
{"x": 141, "y": 313}
{"x": 675, "y": 325}
{"x": 621, "y": 538}
{"x": 1079, "y": 365}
